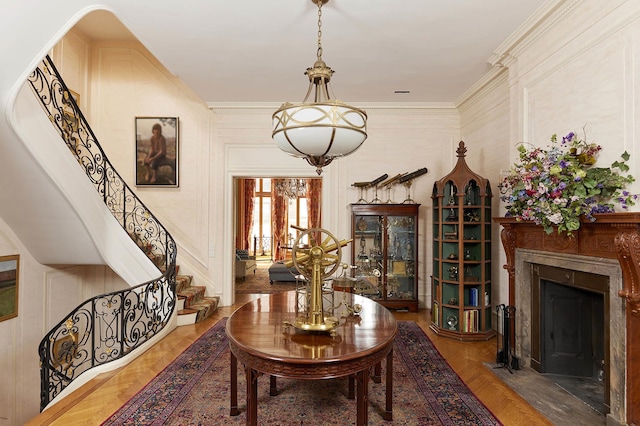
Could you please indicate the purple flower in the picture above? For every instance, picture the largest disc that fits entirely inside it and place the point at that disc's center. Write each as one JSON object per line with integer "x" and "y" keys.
{"x": 568, "y": 138}
{"x": 601, "y": 208}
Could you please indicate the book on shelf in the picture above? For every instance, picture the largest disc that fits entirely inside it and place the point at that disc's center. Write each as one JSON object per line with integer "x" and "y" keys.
{"x": 473, "y": 296}
{"x": 470, "y": 321}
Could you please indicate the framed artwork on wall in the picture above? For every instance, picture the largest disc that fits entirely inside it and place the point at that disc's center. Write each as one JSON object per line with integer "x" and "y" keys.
{"x": 157, "y": 151}
{"x": 9, "y": 273}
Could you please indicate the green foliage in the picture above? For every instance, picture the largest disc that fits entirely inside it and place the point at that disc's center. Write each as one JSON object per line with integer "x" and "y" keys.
{"x": 557, "y": 185}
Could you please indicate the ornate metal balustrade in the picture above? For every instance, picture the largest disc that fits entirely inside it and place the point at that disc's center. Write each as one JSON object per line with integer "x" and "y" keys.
{"x": 110, "y": 326}
{"x": 262, "y": 246}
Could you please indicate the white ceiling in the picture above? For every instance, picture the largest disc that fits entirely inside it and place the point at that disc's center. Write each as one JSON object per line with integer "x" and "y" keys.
{"x": 257, "y": 51}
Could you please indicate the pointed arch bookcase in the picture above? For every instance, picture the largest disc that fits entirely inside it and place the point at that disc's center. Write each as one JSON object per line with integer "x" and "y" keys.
{"x": 461, "y": 280}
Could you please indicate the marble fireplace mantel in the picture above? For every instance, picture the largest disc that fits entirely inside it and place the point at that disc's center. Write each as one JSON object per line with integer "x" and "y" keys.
{"x": 613, "y": 236}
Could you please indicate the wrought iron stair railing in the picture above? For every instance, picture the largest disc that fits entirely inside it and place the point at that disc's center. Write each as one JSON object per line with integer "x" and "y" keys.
{"x": 110, "y": 326}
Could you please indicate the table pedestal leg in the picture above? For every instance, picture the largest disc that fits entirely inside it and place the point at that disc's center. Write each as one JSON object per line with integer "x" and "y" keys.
{"x": 388, "y": 414}
{"x": 362, "y": 397}
{"x": 252, "y": 396}
{"x": 377, "y": 373}
{"x": 352, "y": 387}
{"x": 273, "y": 388}
{"x": 234, "y": 386}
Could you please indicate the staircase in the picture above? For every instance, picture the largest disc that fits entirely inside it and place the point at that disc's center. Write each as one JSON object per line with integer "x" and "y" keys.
{"x": 193, "y": 306}
{"x": 143, "y": 310}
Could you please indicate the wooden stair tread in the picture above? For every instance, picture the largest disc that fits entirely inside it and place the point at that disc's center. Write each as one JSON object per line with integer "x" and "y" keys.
{"x": 194, "y": 298}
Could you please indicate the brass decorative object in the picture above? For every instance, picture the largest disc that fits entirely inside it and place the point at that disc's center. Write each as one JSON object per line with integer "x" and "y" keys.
{"x": 318, "y": 261}
{"x": 407, "y": 180}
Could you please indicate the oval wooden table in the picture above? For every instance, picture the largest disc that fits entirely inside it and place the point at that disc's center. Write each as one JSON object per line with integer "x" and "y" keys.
{"x": 259, "y": 341}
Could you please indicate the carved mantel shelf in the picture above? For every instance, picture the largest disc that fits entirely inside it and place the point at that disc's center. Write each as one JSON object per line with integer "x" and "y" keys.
{"x": 612, "y": 235}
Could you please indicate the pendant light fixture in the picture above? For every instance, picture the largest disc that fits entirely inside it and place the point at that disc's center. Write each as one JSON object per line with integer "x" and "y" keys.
{"x": 320, "y": 128}
{"x": 291, "y": 188}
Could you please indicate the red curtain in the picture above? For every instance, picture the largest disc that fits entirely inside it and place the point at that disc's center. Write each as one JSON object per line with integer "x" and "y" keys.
{"x": 248, "y": 191}
{"x": 278, "y": 219}
{"x": 314, "y": 201}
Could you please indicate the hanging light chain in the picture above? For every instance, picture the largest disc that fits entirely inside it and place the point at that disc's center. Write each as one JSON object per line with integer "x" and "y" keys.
{"x": 301, "y": 129}
{"x": 319, "y": 54}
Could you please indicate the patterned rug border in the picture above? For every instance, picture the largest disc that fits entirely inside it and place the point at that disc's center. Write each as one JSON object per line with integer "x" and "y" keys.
{"x": 158, "y": 383}
{"x": 435, "y": 362}
{"x": 443, "y": 390}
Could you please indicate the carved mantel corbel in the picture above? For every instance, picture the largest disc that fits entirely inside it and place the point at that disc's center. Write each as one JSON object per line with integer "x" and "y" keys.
{"x": 627, "y": 243}
{"x": 508, "y": 237}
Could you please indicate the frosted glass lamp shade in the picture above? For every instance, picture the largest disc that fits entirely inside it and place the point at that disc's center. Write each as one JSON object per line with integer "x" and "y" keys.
{"x": 319, "y": 132}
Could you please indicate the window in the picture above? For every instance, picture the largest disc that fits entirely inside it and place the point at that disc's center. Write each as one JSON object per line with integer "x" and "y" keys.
{"x": 297, "y": 214}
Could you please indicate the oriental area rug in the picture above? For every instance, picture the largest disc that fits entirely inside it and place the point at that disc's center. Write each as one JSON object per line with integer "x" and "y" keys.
{"x": 194, "y": 390}
{"x": 258, "y": 283}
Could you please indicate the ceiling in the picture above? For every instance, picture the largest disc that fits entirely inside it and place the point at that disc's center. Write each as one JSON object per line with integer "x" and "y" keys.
{"x": 257, "y": 51}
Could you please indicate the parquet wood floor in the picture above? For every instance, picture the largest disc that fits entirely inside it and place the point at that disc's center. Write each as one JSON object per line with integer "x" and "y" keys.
{"x": 97, "y": 400}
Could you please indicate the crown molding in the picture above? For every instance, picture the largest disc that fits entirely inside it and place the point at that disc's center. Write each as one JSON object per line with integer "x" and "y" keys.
{"x": 532, "y": 29}
{"x": 506, "y": 54}
{"x": 495, "y": 76}
{"x": 386, "y": 107}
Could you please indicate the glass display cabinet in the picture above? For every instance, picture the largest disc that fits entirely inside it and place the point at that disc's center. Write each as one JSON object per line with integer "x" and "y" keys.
{"x": 461, "y": 280}
{"x": 385, "y": 253}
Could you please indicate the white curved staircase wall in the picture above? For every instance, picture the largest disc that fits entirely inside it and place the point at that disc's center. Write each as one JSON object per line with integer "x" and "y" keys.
{"x": 70, "y": 223}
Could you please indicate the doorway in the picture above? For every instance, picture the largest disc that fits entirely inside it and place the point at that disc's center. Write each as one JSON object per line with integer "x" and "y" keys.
{"x": 267, "y": 209}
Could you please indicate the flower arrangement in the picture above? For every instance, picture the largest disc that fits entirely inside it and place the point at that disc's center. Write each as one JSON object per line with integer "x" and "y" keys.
{"x": 556, "y": 185}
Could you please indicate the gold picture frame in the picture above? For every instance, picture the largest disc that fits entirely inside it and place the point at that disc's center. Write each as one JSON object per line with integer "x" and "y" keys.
{"x": 399, "y": 267}
{"x": 9, "y": 274}
{"x": 153, "y": 169}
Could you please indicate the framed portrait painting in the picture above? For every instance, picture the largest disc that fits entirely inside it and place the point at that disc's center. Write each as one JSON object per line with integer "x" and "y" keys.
{"x": 157, "y": 151}
{"x": 9, "y": 273}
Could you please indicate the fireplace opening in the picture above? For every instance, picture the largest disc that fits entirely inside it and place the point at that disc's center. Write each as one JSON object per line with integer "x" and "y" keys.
{"x": 569, "y": 338}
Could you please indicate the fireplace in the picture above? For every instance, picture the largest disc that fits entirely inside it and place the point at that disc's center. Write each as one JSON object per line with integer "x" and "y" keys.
{"x": 606, "y": 254}
{"x": 570, "y": 330}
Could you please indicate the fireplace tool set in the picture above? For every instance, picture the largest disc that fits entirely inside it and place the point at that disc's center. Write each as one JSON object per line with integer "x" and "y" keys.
{"x": 504, "y": 356}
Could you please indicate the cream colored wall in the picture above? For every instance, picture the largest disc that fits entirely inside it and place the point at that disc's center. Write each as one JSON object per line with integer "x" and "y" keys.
{"x": 401, "y": 140}
{"x": 46, "y": 295}
{"x": 580, "y": 72}
{"x": 228, "y": 142}
{"x": 126, "y": 81}
{"x": 216, "y": 146}
{"x": 484, "y": 126}
{"x": 586, "y": 76}
{"x": 578, "y": 69}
